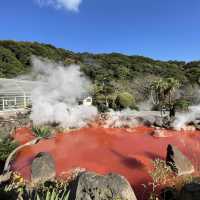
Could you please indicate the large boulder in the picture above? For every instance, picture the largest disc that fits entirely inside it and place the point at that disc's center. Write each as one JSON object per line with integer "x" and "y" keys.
{"x": 91, "y": 186}
{"x": 197, "y": 124}
{"x": 190, "y": 191}
{"x": 178, "y": 162}
{"x": 42, "y": 168}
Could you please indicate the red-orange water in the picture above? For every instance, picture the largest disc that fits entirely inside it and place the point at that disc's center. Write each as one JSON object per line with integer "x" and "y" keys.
{"x": 128, "y": 152}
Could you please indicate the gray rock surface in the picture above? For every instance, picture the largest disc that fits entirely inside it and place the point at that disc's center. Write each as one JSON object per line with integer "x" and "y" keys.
{"x": 158, "y": 121}
{"x": 190, "y": 191}
{"x": 91, "y": 186}
{"x": 148, "y": 120}
{"x": 42, "y": 168}
{"x": 168, "y": 193}
{"x": 9, "y": 121}
{"x": 178, "y": 162}
{"x": 197, "y": 124}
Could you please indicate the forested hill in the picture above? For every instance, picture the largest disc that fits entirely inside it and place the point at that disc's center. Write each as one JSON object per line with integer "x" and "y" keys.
{"x": 15, "y": 60}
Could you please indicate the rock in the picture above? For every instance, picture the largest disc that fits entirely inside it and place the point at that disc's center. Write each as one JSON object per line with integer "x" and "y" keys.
{"x": 178, "y": 162}
{"x": 91, "y": 186}
{"x": 158, "y": 121}
{"x": 197, "y": 124}
{"x": 5, "y": 177}
{"x": 169, "y": 193}
{"x": 190, "y": 191}
{"x": 189, "y": 128}
{"x": 159, "y": 133}
{"x": 148, "y": 120}
{"x": 42, "y": 168}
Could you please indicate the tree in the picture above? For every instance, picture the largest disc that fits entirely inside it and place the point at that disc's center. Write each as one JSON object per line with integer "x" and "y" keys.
{"x": 125, "y": 100}
{"x": 102, "y": 94}
{"x": 163, "y": 92}
{"x": 10, "y": 66}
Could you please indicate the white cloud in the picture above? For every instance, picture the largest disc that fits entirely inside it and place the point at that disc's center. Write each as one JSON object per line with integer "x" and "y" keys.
{"x": 72, "y": 5}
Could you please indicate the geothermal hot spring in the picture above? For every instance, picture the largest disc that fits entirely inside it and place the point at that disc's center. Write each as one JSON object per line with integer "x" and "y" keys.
{"x": 113, "y": 147}
{"x": 128, "y": 152}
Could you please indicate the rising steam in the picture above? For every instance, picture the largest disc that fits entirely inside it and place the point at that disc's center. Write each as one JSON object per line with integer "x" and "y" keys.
{"x": 121, "y": 119}
{"x": 56, "y": 98}
{"x": 183, "y": 119}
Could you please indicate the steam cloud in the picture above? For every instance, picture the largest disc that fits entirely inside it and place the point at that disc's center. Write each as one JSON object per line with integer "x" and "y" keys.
{"x": 121, "y": 119}
{"x": 55, "y": 99}
{"x": 184, "y": 118}
{"x": 72, "y": 5}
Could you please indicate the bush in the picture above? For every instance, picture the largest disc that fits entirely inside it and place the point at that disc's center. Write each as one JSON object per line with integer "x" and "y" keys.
{"x": 125, "y": 100}
{"x": 43, "y": 132}
{"x": 6, "y": 147}
{"x": 182, "y": 104}
{"x": 17, "y": 188}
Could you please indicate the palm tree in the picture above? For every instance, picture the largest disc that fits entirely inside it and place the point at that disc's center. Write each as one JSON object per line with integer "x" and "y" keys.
{"x": 162, "y": 92}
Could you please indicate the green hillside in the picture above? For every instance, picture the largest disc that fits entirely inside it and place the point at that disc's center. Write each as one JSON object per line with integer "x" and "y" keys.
{"x": 124, "y": 73}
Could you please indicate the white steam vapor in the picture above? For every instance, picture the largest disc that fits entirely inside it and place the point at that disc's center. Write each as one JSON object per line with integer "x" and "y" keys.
{"x": 121, "y": 119}
{"x": 183, "y": 119}
{"x": 72, "y": 5}
{"x": 56, "y": 99}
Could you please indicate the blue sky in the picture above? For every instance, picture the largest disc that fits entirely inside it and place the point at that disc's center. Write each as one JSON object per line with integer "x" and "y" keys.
{"x": 161, "y": 29}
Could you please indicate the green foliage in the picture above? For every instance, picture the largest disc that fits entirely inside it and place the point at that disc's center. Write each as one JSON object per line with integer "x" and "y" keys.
{"x": 125, "y": 100}
{"x": 18, "y": 189}
{"x": 114, "y": 66}
{"x": 120, "y": 71}
{"x": 6, "y": 147}
{"x": 9, "y": 65}
{"x": 160, "y": 175}
{"x": 42, "y": 132}
{"x": 103, "y": 94}
{"x": 52, "y": 191}
{"x": 163, "y": 90}
{"x": 15, "y": 57}
{"x": 192, "y": 71}
{"x": 182, "y": 104}
{"x": 161, "y": 172}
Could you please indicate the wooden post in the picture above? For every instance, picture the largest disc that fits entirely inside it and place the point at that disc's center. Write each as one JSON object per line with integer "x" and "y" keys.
{"x": 15, "y": 101}
{"x": 3, "y": 103}
{"x": 24, "y": 100}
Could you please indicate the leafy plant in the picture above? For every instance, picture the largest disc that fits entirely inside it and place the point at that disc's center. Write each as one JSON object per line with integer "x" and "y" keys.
{"x": 163, "y": 93}
{"x": 52, "y": 195}
{"x": 182, "y": 104}
{"x": 18, "y": 189}
{"x": 42, "y": 132}
{"x": 161, "y": 172}
{"x": 163, "y": 177}
{"x": 7, "y": 145}
{"x": 160, "y": 175}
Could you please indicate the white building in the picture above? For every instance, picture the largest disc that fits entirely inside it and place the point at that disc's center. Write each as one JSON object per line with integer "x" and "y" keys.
{"x": 87, "y": 101}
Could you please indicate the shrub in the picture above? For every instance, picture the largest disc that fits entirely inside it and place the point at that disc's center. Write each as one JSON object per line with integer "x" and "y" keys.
{"x": 42, "y": 132}
{"x": 163, "y": 177}
{"x": 125, "y": 100}
{"x": 7, "y": 145}
{"x": 17, "y": 188}
{"x": 182, "y": 104}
